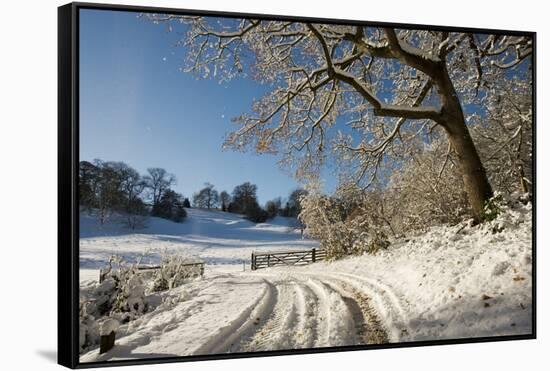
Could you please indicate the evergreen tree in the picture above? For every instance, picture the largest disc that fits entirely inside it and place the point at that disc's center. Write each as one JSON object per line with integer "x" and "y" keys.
{"x": 171, "y": 207}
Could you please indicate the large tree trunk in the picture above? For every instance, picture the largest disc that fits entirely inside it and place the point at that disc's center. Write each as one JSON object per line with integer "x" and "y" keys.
{"x": 476, "y": 184}
{"x": 475, "y": 180}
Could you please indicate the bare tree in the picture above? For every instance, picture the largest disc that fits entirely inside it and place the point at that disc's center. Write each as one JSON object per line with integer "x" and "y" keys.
{"x": 132, "y": 186}
{"x": 244, "y": 199}
{"x": 88, "y": 179}
{"x": 274, "y": 207}
{"x": 506, "y": 142}
{"x": 109, "y": 193}
{"x": 225, "y": 199}
{"x": 158, "y": 181}
{"x": 207, "y": 197}
{"x": 390, "y": 85}
{"x": 294, "y": 204}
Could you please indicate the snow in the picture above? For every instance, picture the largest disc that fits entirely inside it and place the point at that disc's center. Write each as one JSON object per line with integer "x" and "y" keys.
{"x": 451, "y": 282}
{"x": 195, "y": 318}
{"x": 220, "y": 239}
{"x": 108, "y": 326}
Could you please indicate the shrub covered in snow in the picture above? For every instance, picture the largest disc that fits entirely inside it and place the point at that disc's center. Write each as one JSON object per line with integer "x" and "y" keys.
{"x": 342, "y": 225}
{"x": 323, "y": 220}
{"x": 122, "y": 296}
{"x": 428, "y": 190}
{"x": 174, "y": 271}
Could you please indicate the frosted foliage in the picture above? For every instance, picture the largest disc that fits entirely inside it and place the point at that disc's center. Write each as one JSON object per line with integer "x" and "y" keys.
{"x": 425, "y": 192}
{"x": 324, "y": 221}
{"x": 505, "y": 136}
{"x": 109, "y": 325}
{"x": 122, "y": 295}
{"x": 174, "y": 271}
{"x": 119, "y": 298}
{"x": 343, "y": 226}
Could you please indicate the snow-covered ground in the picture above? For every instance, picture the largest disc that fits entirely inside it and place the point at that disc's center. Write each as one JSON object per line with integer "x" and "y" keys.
{"x": 222, "y": 240}
{"x": 451, "y": 282}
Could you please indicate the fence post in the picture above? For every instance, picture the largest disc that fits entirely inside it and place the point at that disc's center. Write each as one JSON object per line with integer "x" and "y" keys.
{"x": 253, "y": 262}
{"x": 106, "y": 342}
{"x": 313, "y": 255}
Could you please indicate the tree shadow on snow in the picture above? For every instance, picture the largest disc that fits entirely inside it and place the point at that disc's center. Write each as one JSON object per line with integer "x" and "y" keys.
{"x": 500, "y": 315}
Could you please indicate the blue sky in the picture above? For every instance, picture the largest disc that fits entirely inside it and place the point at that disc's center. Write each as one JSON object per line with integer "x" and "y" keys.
{"x": 136, "y": 107}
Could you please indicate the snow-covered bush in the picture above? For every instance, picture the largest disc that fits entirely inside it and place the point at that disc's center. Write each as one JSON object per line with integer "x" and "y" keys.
{"x": 507, "y": 212}
{"x": 120, "y": 296}
{"x": 123, "y": 295}
{"x": 323, "y": 220}
{"x": 428, "y": 190}
{"x": 342, "y": 224}
{"x": 174, "y": 271}
{"x": 367, "y": 233}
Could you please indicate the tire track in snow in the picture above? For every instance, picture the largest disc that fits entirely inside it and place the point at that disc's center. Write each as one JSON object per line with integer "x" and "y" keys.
{"x": 382, "y": 287}
{"x": 335, "y": 321}
{"x": 294, "y": 320}
{"x": 265, "y": 332}
{"x": 227, "y": 337}
{"x": 308, "y": 307}
{"x": 384, "y": 302}
{"x": 367, "y": 325}
{"x": 323, "y": 312}
{"x": 359, "y": 322}
{"x": 278, "y": 331}
{"x": 317, "y": 310}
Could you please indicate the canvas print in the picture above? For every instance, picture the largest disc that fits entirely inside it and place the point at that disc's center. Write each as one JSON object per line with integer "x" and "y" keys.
{"x": 252, "y": 185}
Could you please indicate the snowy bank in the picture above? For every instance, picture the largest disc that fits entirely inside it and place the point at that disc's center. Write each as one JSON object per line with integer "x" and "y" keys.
{"x": 451, "y": 282}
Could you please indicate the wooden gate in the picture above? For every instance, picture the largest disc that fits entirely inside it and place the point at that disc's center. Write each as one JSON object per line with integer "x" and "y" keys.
{"x": 286, "y": 257}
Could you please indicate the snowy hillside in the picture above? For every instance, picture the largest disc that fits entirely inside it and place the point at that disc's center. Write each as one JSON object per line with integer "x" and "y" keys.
{"x": 452, "y": 282}
{"x": 218, "y": 238}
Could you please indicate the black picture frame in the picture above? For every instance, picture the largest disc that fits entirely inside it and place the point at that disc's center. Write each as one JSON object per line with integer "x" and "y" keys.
{"x": 68, "y": 159}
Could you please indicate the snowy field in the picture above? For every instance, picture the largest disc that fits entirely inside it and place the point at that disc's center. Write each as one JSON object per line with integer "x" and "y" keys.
{"x": 222, "y": 240}
{"x": 452, "y": 282}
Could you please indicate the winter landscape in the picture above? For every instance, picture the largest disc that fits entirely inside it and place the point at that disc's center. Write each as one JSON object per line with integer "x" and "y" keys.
{"x": 258, "y": 185}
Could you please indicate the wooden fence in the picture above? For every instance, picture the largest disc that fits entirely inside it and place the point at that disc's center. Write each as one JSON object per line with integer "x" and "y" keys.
{"x": 286, "y": 257}
{"x": 197, "y": 269}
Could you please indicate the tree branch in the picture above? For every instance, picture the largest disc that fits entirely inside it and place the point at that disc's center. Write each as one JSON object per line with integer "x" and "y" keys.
{"x": 414, "y": 113}
{"x": 411, "y": 55}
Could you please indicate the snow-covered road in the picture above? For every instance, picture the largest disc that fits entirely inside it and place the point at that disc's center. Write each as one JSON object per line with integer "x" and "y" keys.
{"x": 252, "y": 311}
